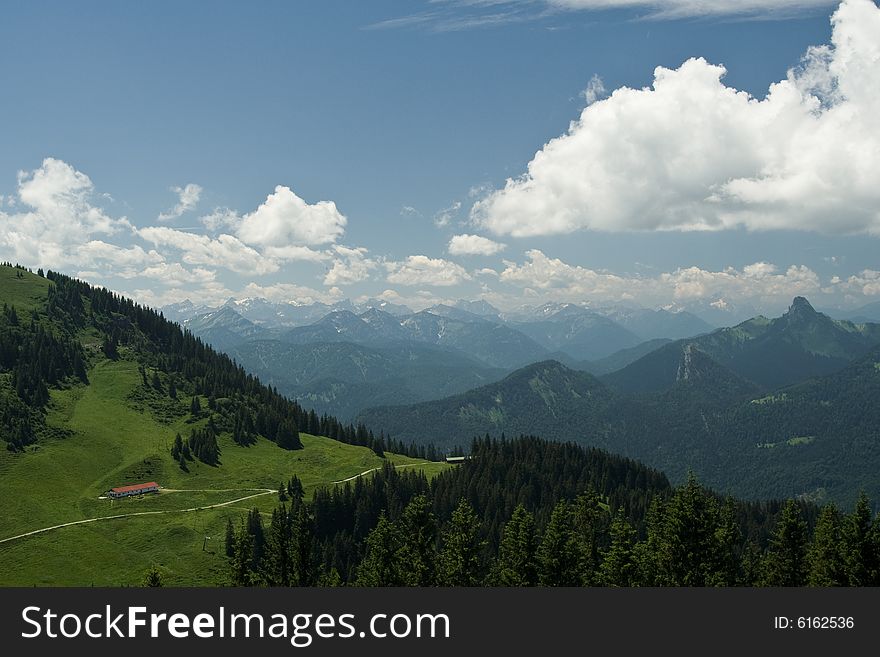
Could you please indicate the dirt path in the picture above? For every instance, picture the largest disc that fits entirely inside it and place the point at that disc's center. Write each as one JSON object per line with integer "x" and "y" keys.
{"x": 264, "y": 491}
{"x": 366, "y": 472}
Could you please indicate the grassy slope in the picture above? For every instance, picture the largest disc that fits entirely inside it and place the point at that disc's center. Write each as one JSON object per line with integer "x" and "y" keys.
{"x": 60, "y": 480}
{"x": 24, "y": 293}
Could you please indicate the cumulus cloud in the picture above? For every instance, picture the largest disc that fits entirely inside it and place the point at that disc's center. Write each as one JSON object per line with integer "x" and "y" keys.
{"x": 351, "y": 265}
{"x": 284, "y": 218}
{"x": 223, "y": 251}
{"x": 866, "y": 282}
{"x": 211, "y": 293}
{"x": 174, "y": 274}
{"x": 473, "y": 245}
{"x": 290, "y": 293}
{"x": 422, "y": 270}
{"x": 56, "y": 219}
{"x": 220, "y": 219}
{"x": 691, "y": 153}
{"x": 554, "y": 279}
{"x": 188, "y": 198}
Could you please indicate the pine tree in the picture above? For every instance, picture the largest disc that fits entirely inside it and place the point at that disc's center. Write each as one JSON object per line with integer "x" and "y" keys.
{"x": 380, "y": 565}
{"x": 195, "y": 406}
{"x": 589, "y": 524}
{"x": 785, "y": 563}
{"x": 459, "y": 560}
{"x": 618, "y": 563}
{"x": 302, "y": 563}
{"x": 295, "y": 491}
{"x": 278, "y": 567}
{"x": 243, "y": 558}
{"x": 516, "y": 564}
{"x": 861, "y": 549}
{"x": 825, "y": 558}
{"x": 418, "y": 550}
{"x": 559, "y": 553}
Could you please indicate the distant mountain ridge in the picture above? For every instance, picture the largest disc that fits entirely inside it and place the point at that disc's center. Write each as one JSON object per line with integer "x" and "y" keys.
{"x": 682, "y": 407}
{"x": 800, "y": 344}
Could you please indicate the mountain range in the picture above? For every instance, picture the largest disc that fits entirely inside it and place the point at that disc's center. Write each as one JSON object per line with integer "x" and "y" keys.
{"x": 688, "y": 406}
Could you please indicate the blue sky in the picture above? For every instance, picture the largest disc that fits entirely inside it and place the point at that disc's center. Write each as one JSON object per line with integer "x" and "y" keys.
{"x": 125, "y": 125}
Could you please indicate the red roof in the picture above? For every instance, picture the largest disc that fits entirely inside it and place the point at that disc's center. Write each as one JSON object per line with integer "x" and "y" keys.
{"x": 133, "y": 487}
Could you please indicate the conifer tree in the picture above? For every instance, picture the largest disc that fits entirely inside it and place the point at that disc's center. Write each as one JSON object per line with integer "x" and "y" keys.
{"x": 277, "y": 561}
{"x": 861, "y": 549}
{"x": 516, "y": 564}
{"x": 302, "y": 563}
{"x": 618, "y": 563}
{"x": 380, "y": 565}
{"x": 243, "y": 559}
{"x": 825, "y": 556}
{"x": 459, "y": 560}
{"x": 418, "y": 550}
{"x": 589, "y": 524}
{"x": 559, "y": 553}
{"x": 785, "y": 563}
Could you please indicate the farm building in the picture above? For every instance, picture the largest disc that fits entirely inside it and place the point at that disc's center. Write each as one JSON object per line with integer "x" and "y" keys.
{"x": 134, "y": 489}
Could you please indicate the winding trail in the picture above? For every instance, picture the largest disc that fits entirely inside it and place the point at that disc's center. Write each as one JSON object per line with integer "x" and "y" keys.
{"x": 366, "y": 472}
{"x": 262, "y": 491}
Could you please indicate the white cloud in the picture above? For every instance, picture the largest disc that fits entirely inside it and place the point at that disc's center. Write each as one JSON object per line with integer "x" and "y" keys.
{"x": 221, "y": 218}
{"x": 687, "y": 8}
{"x": 188, "y": 198}
{"x": 115, "y": 258}
{"x": 446, "y": 215}
{"x": 422, "y": 270}
{"x": 474, "y": 245}
{"x": 866, "y": 282}
{"x": 223, "y": 251}
{"x": 56, "y": 220}
{"x": 294, "y": 252}
{"x": 284, "y": 218}
{"x": 175, "y": 274}
{"x": 594, "y": 91}
{"x": 290, "y": 293}
{"x": 212, "y": 293}
{"x": 557, "y": 280}
{"x": 690, "y": 153}
{"x": 350, "y": 266}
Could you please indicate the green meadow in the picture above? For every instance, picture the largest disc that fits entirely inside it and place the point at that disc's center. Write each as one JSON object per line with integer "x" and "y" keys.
{"x": 102, "y": 435}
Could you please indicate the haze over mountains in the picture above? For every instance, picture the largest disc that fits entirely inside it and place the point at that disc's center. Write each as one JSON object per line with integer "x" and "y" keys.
{"x": 771, "y": 407}
{"x": 347, "y": 357}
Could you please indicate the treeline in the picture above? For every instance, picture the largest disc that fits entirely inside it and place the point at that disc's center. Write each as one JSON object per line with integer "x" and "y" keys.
{"x": 605, "y": 522}
{"x": 43, "y": 350}
{"x": 34, "y": 356}
{"x": 163, "y": 345}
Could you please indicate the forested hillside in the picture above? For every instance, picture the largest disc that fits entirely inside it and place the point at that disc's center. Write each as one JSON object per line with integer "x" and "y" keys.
{"x": 819, "y": 439}
{"x": 48, "y": 341}
{"x": 529, "y": 512}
